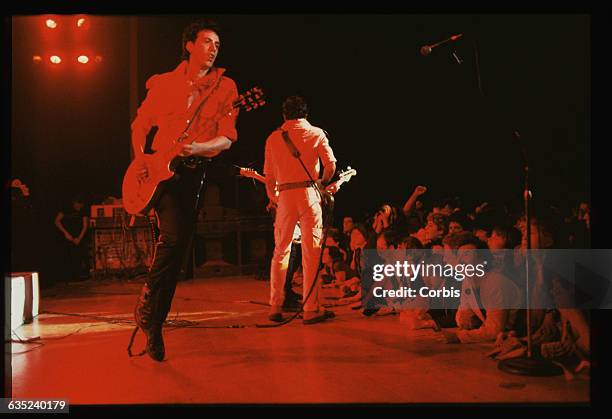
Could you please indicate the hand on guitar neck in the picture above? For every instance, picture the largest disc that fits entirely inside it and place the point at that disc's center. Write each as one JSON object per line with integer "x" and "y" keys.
{"x": 344, "y": 176}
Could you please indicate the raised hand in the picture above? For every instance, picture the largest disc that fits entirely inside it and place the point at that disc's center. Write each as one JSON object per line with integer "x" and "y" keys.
{"x": 420, "y": 190}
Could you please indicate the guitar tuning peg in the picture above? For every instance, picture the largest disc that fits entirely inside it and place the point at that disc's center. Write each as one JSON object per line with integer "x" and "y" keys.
{"x": 348, "y": 167}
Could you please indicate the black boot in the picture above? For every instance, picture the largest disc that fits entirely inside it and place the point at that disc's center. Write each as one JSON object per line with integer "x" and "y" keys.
{"x": 155, "y": 344}
{"x": 144, "y": 314}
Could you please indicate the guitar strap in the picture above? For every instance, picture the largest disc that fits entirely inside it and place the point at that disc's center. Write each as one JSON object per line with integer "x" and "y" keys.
{"x": 296, "y": 153}
{"x": 201, "y": 104}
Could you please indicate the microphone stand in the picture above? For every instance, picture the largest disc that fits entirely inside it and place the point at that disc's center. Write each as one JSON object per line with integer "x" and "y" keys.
{"x": 528, "y": 365}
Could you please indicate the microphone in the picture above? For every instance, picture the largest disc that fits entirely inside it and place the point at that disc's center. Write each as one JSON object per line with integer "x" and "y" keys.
{"x": 426, "y": 49}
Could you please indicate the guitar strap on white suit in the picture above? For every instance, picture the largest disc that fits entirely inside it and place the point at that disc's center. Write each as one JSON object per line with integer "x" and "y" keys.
{"x": 296, "y": 153}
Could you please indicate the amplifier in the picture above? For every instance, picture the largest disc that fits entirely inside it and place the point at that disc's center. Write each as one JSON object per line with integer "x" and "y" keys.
{"x": 108, "y": 211}
{"x": 122, "y": 248}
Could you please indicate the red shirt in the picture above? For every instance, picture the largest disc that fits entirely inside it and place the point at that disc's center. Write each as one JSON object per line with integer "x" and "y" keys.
{"x": 172, "y": 99}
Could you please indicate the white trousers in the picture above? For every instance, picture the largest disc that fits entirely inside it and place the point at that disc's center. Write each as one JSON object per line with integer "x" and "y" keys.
{"x": 303, "y": 205}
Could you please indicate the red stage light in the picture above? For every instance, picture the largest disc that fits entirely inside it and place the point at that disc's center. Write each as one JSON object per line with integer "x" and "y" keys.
{"x": 98, "y": 58}
{"x": 83, "y": 59}
{"x": 80, "y": 22}
{"x": 37, "y": 59}
{"x": 55, "y": 59}
{"x": 51, "y": 24}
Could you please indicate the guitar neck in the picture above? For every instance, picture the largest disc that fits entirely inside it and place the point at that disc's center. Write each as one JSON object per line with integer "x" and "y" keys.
{"x": 259, "y": 177}
{"x": 338, "y": 183}
{"x": 249, "y": 173}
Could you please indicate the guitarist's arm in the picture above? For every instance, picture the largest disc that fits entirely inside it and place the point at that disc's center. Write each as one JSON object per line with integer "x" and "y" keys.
{"x": 145, "y": 118}
{"x": 327, "y": 158}
{"x": 328, "y": 172}
{"x": 225, "y": 132}
{"x": 210, "y": 148}
{"x": 271, "y": 189}
{"x": 139, "y": 138}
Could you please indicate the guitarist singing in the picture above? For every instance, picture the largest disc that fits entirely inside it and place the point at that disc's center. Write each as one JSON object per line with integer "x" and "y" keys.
{"x": 297, "y": 200}
{"x": 171, "y": 100}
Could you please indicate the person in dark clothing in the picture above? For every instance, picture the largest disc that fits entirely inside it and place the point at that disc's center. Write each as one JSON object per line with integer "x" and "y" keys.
{"x": 72, "y": 223}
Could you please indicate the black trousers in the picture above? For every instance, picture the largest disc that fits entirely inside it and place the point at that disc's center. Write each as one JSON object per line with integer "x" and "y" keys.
{"x": 176, "y": 213}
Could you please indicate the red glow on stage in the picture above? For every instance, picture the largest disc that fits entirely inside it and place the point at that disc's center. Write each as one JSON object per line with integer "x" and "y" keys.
{"x": 83, "y": 59}
{"x": 98, "y": 58}
{"x": 37, "y": 59}
{"x": 55, "y": 59}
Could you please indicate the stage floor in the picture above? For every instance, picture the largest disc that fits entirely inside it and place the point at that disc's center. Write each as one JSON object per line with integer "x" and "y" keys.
{"x": 348, "y": 359}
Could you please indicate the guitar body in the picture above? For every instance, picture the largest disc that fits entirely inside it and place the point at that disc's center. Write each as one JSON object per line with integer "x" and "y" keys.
{"x": 327, "y": 202}
{"x": 140, "y": 194}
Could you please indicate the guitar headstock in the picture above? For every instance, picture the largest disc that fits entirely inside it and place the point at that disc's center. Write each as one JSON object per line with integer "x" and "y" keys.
{"x": 250, "y": 173}
{"x": 347, "y": 174}
{"x": 251, "y": 99}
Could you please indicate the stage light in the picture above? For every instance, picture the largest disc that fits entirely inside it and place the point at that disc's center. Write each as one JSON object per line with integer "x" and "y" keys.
{"x": 55, "y": 59}
{"x": 98, "y": 58}
{"x": 51, "y": 24}
{"x": 83, "y": 59}
{"x": 82, "y": 22}
{"x": 37, "y": 59}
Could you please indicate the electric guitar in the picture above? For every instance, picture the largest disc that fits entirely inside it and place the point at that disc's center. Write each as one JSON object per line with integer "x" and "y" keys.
{"x": 327, "y": 199}
{"x": 141, "y": 192}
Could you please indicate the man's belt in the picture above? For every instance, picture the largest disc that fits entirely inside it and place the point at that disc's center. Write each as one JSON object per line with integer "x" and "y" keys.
{"x": 295, "y": 185}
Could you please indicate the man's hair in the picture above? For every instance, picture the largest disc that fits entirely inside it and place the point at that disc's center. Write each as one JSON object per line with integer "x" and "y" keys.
{"x": 509, "y": 233}
{"x": 391, "y": 238}
{"x": 295, "y": 107}
{"x": 460, "y": 218}
{"x": 335, "y": 234}
{"x": 456, "y": 240}
{"x": 410, "y": 242}
{"x": 78, "y": 198}
{"x": 191, "y": 31}
{"x": 452, "y": 202}
{"x": 368, "y": 234}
